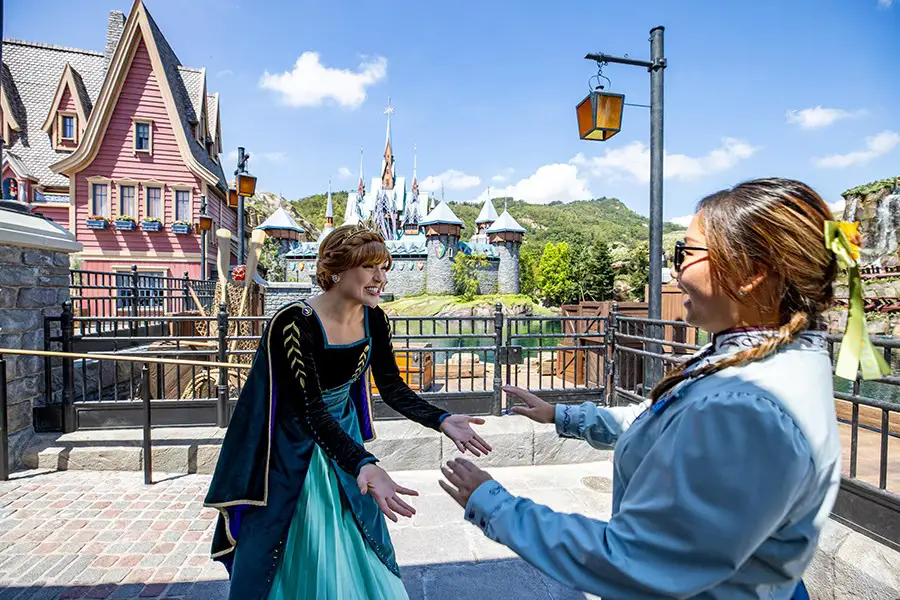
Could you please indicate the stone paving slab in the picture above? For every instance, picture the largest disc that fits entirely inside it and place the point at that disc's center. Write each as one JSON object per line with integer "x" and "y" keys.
{"x": 84, "y": 534}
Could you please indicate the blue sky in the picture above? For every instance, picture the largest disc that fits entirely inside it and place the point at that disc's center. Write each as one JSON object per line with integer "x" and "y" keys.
{"x": 487, "y": 90}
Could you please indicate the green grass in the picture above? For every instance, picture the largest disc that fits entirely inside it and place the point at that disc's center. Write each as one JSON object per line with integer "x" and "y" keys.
{"x": 429, "y": 306}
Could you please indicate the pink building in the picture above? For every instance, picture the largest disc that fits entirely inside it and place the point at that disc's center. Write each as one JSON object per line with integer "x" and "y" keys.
{"x": 128, "y": 134}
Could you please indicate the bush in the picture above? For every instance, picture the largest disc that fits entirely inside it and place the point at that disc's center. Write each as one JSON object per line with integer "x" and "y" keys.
{"x": 465, "y": 274}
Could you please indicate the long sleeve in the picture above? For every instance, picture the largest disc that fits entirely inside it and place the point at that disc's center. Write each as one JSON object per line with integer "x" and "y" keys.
{"x": 391, "y": 386}
{"x": 701, "y": 501}
{"x": 294, "y": 366}
{"x": 598, "y": 426}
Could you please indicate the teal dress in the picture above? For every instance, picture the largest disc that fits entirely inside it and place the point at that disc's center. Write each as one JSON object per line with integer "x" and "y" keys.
{"x": 292, "y": 522}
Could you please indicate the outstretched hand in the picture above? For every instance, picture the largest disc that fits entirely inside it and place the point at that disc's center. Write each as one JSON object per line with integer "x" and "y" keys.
{"x": 464, "y": 478}
{"x": 458, "y": 428}
{"x": 535, "y": 409}
{"x": 374, "y": 480}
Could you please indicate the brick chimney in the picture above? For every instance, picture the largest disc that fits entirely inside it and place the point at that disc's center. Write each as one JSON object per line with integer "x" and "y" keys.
{"x": 114, "y": 32}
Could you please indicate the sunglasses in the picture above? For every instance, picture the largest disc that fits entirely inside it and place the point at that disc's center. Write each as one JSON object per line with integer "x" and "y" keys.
{"x": 678, "y": 259}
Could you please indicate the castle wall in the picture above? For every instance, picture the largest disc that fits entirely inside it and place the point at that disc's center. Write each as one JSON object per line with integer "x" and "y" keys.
{"x": 487, "y": 277}
{"x": 508, "y": 273}
{"x": 439, "y": 271}
{"x": 406, "y": 277}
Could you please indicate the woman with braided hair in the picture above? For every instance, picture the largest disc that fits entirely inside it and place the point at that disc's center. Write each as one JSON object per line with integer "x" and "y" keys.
{"x": 301, "y": 501}
{"x": 724, "y": 479}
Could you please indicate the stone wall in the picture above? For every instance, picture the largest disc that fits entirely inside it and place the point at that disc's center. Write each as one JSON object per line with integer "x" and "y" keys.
{"x": 439, "y": 271}
{"x": 406, "y": 278}
{"x": 279, "y": 294}
{"x": 487, "y": 277}
{"x": 34, "y": 283}
{"x": 508, "y": 276}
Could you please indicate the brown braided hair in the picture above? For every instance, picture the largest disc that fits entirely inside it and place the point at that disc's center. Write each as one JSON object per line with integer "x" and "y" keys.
{"x": 348, "y": 247}
{"x": 772, "y": 227}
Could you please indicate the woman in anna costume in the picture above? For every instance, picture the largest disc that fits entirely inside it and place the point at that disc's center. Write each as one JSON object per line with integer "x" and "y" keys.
{"x": 301, "y": 502}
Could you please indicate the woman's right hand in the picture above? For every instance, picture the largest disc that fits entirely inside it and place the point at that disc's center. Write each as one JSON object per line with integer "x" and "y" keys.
{"x": 535, "y": 409}
{"x": 374, "y": 480}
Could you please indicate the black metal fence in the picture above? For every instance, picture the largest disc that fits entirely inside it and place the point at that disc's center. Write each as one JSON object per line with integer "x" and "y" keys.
{"x": 136, "y": 292}
{"x": 459, "y": 363}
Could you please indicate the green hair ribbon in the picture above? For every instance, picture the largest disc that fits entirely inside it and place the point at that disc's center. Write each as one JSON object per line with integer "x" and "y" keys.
{"x": 857, "y": 351}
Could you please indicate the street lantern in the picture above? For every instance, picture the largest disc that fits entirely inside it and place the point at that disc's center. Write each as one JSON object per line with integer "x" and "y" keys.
{"x": 232, "y": 198}
{"x": 246, "y": 184}
{"x": 600, "y": 115}
{"x": 204, "y": 222}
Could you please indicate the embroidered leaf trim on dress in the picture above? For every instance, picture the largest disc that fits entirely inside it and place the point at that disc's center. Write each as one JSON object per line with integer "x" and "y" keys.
{"x": 294, "y": 354}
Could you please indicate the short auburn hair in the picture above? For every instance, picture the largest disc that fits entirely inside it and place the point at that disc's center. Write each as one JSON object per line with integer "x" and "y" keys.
{"x": 348, "y": 247}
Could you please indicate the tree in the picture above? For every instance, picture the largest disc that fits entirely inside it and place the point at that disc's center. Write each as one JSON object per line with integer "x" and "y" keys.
{"x": 465, "y": 274}
{"x": 529, "y": 258}
{"x": 273, "y": 260}
{"x": 554, "y": 276}
{"x": 593, "y": 277}
{"x": 638, "y": 269}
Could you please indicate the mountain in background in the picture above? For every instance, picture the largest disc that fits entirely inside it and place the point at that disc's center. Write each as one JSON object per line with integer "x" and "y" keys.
{"x": 603, "y": 220}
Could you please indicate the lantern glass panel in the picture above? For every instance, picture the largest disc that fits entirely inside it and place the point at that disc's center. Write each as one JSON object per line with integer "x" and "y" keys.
{"x": 246, "y": 184}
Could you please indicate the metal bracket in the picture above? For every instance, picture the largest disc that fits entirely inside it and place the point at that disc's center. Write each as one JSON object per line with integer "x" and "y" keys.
{"x": 511, "y": 355}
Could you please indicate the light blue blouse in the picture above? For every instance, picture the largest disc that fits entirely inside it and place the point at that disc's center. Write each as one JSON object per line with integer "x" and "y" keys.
{"x": 719, "y": 491}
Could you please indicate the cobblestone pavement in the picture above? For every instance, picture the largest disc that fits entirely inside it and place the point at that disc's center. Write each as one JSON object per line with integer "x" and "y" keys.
{"x": 79, "y": 534}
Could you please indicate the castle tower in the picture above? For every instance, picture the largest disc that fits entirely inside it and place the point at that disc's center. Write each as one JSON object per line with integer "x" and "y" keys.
{"x": 506, "y": 235}
{"x": 442, "y": 231}
{"x": 329, "y": 215}
{"x": 486, "y": 218}
{"x": 387, "y": 163}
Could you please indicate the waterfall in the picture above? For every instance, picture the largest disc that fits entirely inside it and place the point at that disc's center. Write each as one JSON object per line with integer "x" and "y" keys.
{"x": 887, "y": 220}
{"x": 851, "y": 209}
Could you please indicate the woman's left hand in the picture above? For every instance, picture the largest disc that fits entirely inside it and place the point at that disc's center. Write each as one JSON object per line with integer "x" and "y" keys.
{"x": 465, "y": 479}
{"x": 458, "y": 429}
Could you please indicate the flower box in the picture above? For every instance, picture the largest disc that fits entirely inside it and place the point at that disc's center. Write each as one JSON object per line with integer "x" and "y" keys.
{"x": 181, "y": 228}
{"x": 97, "y": 223}
{"x": 151, "y": 226}
{"x": 125, "y": 225}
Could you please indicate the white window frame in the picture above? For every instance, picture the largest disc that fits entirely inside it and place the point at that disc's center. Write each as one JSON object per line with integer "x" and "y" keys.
{"x": 134, "y": 134}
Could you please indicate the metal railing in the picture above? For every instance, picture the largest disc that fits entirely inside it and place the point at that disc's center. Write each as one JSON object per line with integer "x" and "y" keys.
{"x": 136, "y": 293}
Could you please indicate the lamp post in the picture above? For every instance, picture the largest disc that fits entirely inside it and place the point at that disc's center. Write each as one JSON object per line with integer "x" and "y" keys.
{"x": 204, "y": 224}
{"x": 245, "y": 187}
{"x": 656, "y": 65}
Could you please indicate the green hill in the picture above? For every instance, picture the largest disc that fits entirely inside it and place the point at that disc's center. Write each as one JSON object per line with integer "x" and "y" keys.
{"x": 604, "y": 219}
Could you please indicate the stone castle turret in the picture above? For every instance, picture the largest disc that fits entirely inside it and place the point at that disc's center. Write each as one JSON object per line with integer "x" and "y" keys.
{"x": 505, "y": 234}
{"x": 442, "y": 232}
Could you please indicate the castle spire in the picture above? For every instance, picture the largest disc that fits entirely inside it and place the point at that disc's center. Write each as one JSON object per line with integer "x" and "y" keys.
{"x": 329, "y": 209}
{"x": 415, "y": 183}
{"x": 387, "y": 163}
{"x": 361, "y": 188}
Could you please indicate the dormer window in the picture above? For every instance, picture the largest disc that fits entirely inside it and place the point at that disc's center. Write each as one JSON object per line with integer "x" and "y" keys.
{"x": 143, "y": 136}
{"x": 68, "y": 127}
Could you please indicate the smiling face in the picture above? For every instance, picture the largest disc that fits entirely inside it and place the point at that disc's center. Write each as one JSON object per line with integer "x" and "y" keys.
{"x": 707, "y": 306}
{"x": 363, "y": 284}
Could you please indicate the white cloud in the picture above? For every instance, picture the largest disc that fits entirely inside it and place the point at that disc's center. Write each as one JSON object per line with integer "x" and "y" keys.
{"x": 224, "y": 73}
{"x": 345, "y": 172}
{"x": 885, "y": 3}
{"x": 818, "y": 117}
{"x": 683, "y": 221}
{"x": 876, "y": 145}
{"x": 548, "y": 184}
{"x": 634, "y": 160}
{"x": 451, "y": 180}
{"x": 267, "y": 157}
{"x": 503, "y": 176}
{"x": 838, "y": 207}
{"x": 310, "y": 83}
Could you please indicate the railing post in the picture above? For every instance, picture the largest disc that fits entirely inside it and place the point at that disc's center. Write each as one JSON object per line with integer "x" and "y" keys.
{"x": 146, "y": 442}
{"x": 612, "y": 396}
{"x": 498, "y": 344}
{"x": 4, "y": 425}
{"x": 134, "y": 298}
{"x": 222, "y": 404}
{"x": 67, "y": 332}
{"x": 185, "y": 285}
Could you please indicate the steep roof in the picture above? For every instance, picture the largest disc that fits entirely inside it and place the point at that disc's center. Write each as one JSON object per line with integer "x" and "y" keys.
{"x": 187, "y": 88}
{"x": 281, "y": 219}
{"x": 30, "y": 78}
{"x": 442, "y": 214}
{"x": 505, "y": 223}
{"x": 488, "y": 213}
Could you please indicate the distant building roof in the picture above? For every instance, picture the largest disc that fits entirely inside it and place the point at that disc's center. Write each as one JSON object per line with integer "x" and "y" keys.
{"x": 488, "y": 213}
{"x": 281, "y": 219}
{"x": 442, "y": 214}
{"x": 506, "y": 223}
